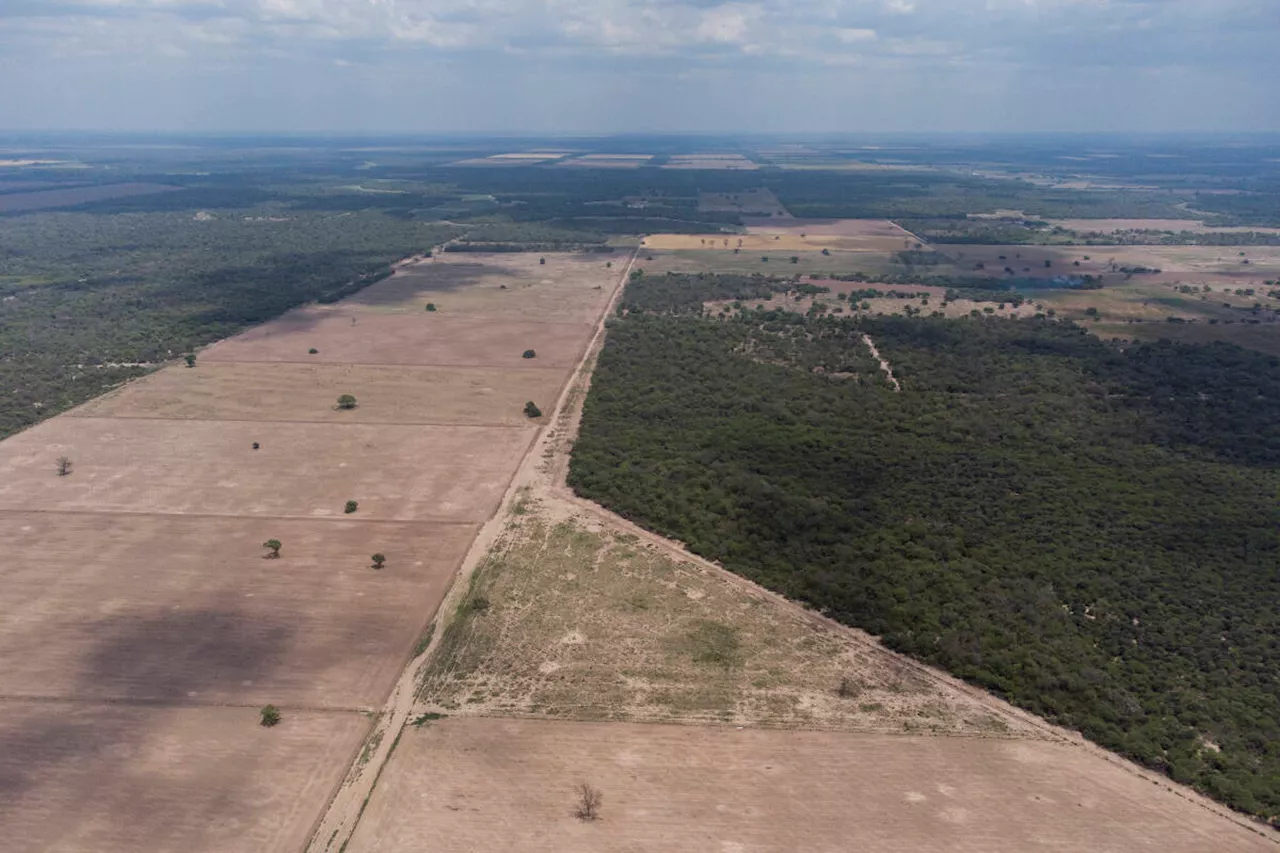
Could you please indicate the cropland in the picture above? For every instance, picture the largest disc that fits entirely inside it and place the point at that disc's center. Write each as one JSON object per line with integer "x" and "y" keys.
{"x": 143, "y": 623}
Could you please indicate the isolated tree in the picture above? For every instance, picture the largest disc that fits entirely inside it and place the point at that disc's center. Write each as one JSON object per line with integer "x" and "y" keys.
{"x": 270, "y": 715}
{"x": 532, "y": 410}
{"x": 378, "y": 560}
{"x": 608, "y": 265}
{"x": 431, "y": 306}
{"x": 190, "y": 358}
{"x": 351, "y": 507}
{"x": 529, "y": 354}
{"x": 1047, "y": 263}
{"x": 346, "y": 401}
{"x": 542, "y": 261}
{"x": 313, "y": 351}
{"x": 64, "y": 466}
{"x": 795, "y": 259}
{"x": 588, "y": 802}
{"x": 273, "y": 548}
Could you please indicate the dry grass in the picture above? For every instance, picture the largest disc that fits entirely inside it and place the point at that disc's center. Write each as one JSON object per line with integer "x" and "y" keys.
{"x": 577, "y": 622}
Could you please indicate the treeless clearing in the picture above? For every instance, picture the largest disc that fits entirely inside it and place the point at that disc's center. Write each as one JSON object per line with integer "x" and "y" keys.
{"x": 187, "y": 610}
{"x": 566, "y": 289}
{"x": 122, "y": 779}
{"x": 710, "y": 161}
{"x": 429, "y": 339}
{"x": 301, "y": 392}
{"x": 480, "y": 784}
{"x": 762, "y": 240}
{"x": 753, "y": 202}
{"x": 442, "y": 473}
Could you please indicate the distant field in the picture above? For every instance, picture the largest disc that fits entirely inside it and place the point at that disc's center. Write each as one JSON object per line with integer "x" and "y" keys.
{"x": 46, "y": 199}
{"x": 457, "y": 786}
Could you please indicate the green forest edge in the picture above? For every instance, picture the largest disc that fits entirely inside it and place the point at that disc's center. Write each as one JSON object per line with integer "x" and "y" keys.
{"x": 1091, "y": 532}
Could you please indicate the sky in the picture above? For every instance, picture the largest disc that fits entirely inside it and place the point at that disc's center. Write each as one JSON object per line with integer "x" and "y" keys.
{"x": 625, "y": 66}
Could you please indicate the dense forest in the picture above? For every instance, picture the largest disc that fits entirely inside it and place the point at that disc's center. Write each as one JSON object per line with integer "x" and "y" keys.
{"x": 1091, "y": 532}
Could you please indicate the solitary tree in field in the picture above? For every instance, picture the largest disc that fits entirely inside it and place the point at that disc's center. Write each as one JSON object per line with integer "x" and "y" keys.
{"x": 350, "y": 507}
{"x": 64, "y": 466}
{"x": 270, "y": 715}
{"x": 531, "y": 410}
{"x": 431, "y": 306}
{"x": 313, "y": 351}
{"x": 190, "y": 358}
{"x": 346, "y": 401}
{"x": 529, "y": 354}
{"x": 378, "y": 560}
{"x": 588, "y": 802}
{"x": 273, "y": 548}
{"x": 542, "y": 261}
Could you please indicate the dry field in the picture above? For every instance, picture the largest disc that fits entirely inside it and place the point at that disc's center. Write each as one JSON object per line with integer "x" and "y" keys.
{"x": 282, "y": 391}
{"x": 710, "y": 161}
{"x": 141, "y": 624}
{"x": 303, "y": 470}
{"x": 188, "y": 611}
{"x": 96, "y": 777}
{"x": 483, "y": 784}
{"x": 566, "y": 289}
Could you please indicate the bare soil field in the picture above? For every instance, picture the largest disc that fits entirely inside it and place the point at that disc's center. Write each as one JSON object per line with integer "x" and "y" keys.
{"x": 432, "y": 339}
{"x": 188, "y": 610}
{"x": 111, "y": 778}
{"x": 478, "y": 784}
{"x": 303, "y": 470}
{"x": 47, "y": 199}
{"x": 710, "y": 161}
{"x": 281, "y": 391}
{"x": 1114, "y": 225}
{"x": 568, "y": 288}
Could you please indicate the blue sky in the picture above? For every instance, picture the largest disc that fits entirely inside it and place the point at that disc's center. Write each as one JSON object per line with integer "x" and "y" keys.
{"x": 605, "y": 66}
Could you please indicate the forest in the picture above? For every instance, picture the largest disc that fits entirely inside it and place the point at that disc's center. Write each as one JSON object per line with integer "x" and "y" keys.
{"x": 1089, "y": 531}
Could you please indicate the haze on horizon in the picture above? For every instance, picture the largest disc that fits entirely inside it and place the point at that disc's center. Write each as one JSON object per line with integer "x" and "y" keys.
{"x": 617, "y": 66}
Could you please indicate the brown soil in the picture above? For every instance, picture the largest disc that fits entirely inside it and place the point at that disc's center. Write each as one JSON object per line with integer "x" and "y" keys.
{"x": 484, "y": 784}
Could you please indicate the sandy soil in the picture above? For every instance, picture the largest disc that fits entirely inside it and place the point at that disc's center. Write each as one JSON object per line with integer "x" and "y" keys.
{"x": 302, "y": 392}
{"x": 466, "y": 785}
{"x": 118, "y": 778}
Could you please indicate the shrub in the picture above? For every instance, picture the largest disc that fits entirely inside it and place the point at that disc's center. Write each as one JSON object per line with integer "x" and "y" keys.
{"x": 431, "y": 306}
{"x": 64, "y": 466}
{"x": 589, "y": 802}
{"x": 313, "y": 351}
{"x": 270, "y": 715}
{"x": 350, "y": 507}
{"x": 346, "y": 401}
{"x": 529, "y": 353}
{"x": 190, "y": 359}
{"x": 531, "y": 410}
{"x": 379, "y": 560}
{"x": 273, "y": 548}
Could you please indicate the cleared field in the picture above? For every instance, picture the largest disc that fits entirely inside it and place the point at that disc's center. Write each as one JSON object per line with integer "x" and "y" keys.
{"x": 300, "y": 392}
{"x": 120, "y": 779}
{"x": 808, "y": 262}
{"x": 186, "y": 610}
{"x": 302, "y": 470}
{"x": 710, "y": 161}
{"x": 471, "y": 784}
{"x": 568, "y": 288}
{"x": 431, "y": 339}
{"x": 595, "y": 624}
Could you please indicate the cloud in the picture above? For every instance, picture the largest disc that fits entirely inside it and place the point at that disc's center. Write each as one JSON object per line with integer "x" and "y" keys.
{"x": 965, "y": 47}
